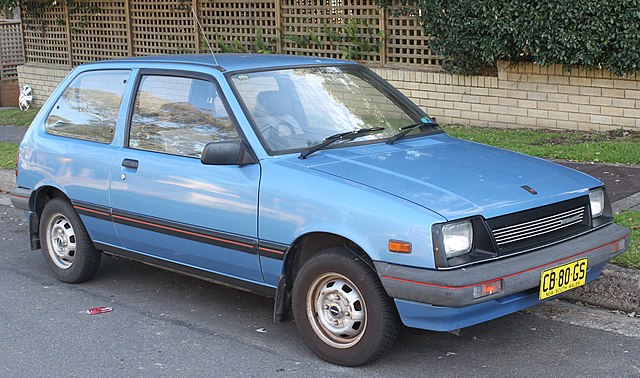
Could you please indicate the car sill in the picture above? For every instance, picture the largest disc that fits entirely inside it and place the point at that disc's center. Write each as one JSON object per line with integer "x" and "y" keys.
{"x": 236, "y": 283}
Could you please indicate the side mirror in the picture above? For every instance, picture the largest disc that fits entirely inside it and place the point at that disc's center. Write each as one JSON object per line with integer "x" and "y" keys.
{"x": 226, "y": 153}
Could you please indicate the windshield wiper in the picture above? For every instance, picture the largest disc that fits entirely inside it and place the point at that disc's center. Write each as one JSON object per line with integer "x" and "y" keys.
{"x": 407, "y": 129}
{"x": 349, "y": 135}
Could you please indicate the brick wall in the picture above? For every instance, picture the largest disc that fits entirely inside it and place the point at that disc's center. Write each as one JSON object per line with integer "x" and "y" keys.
{"x": 43, "y": 79}
{"x": 525, "y": 95}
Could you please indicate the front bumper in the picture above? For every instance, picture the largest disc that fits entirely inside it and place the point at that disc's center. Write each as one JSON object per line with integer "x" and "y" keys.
{"x": 519, "y": 274}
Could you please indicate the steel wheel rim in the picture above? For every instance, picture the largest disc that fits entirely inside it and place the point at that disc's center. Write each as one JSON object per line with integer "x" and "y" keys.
{"x": 61, "y": 241}
{"x": 336, "y": 310}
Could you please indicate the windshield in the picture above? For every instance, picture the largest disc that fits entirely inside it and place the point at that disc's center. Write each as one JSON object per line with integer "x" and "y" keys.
{"x": 298, "y": 108}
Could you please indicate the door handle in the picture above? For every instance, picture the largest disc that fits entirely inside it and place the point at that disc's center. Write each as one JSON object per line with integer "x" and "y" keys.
{"x": 130, "y": 163}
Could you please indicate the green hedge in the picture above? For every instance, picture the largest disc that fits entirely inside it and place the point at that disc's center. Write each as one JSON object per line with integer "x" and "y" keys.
{"x": 472, "y": 35}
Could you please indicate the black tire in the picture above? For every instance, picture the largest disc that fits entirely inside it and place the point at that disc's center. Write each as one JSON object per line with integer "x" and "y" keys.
{"x": 334, "y": 281}
{"x": 66, "y": 245}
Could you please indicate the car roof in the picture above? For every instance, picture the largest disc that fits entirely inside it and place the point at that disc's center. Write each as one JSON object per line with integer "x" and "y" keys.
{"x": 234, "y": 62}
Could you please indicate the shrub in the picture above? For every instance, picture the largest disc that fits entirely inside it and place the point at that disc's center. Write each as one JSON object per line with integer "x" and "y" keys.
{"x": 473, "y": 34}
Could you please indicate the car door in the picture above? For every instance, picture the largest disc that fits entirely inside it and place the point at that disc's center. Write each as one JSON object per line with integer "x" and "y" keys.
{"x": 166, "y": 203}
{"x": 79, "y": 143}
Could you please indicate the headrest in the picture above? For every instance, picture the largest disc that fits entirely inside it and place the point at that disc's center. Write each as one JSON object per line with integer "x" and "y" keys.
{"x": 202, "y": 95}
{"x": 275, "y": 103}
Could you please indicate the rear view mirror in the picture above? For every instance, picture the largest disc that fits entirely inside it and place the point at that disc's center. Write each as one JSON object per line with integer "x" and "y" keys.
{"x": 226, "y": 153}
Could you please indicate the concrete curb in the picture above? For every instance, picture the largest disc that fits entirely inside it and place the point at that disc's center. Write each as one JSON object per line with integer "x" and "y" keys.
{"x": 617, "y": 289}
{"x": 565, "y": 161}
{"x": 629, "y": 203}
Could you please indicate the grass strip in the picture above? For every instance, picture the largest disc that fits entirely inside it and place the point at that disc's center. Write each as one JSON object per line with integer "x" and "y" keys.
{"x": 618, "y": 146}
{"x": 17, "y": 117}
{"x": 8, "y": 153}
{"x": 631, "y": 258}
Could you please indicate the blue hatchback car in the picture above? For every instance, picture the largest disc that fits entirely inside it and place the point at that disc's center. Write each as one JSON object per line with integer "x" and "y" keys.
{"x": 309, "y": 180}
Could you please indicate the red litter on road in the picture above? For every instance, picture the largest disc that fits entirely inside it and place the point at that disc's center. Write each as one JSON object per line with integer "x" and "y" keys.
{"x": 98, "y": 310}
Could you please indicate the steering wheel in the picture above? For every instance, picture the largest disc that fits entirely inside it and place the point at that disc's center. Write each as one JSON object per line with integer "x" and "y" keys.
{"x": 278, "y": 135}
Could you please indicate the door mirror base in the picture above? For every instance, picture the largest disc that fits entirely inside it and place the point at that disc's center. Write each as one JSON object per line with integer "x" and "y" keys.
{"x": 232, "y": 152}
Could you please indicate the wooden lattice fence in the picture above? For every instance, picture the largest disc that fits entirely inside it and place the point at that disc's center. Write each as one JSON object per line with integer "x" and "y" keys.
{"x": 11, "y": 49}
{"x": 239, "y": 24}
{"x": 103, "y": 34}
{"x": 353, "y": 29}
{"x": 333, "y": 29}
{"x": 407, "y": 45}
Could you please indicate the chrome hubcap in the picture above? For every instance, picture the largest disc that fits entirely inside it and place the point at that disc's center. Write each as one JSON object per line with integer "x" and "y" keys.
{"x": 336, "y": 310}
{"x": 61, "y": 241}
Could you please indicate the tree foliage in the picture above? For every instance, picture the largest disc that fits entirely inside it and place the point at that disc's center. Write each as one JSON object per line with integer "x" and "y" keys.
{"x": 474, "y": 34}
{"x": 34, "y": 9}
{"x": 29, "y": 7}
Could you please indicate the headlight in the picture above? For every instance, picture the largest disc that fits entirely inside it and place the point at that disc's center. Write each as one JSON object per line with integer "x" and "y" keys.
{"x": 596, "y": 198}
{"x": 457, "y": 238}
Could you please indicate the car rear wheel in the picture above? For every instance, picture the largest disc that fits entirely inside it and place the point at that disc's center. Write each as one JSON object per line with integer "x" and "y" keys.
{"x": 66, "y": 245}
{"x": 341, "y": 309}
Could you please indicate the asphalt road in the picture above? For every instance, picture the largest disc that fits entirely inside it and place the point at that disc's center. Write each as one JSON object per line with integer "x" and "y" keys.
{"x": 12, "y": 134}
{"x": 165, "y": 324}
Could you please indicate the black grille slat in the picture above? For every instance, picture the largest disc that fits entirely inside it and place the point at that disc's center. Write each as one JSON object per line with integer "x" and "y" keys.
{"x": 540, "y": 226}
{"x": 555, "y": 216}
{"x": 538, "y": 229}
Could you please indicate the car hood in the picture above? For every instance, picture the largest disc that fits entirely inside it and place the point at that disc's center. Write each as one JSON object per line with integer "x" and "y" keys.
{"x": 454, "y": 178}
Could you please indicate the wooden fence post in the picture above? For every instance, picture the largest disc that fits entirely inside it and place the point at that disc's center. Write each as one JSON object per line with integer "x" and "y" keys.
{"x": 1, "y": 61}
{"x": 196, "y": 14}
{"x": 383, "y": 42}
{"x": 67, "y": 29}
{"x": 127, "y": 21}
{"x": 278, "y": 6}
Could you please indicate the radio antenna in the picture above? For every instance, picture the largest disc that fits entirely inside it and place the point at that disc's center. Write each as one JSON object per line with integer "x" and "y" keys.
{"x": 204, "y": 36}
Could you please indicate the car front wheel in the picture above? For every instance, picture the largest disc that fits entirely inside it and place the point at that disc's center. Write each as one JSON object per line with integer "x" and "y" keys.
{"x": 341, "y": 309}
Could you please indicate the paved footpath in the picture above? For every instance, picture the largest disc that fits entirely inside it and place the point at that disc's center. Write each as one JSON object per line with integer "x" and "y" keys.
{"x": 12, "y": 134}
{"x": 622, "y": 181}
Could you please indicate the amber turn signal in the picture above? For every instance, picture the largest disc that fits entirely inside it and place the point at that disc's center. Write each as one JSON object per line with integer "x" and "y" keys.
{"x": 487, "y": 289}
{"x": 619, "y": 245}
{"x": 399, "y": 246}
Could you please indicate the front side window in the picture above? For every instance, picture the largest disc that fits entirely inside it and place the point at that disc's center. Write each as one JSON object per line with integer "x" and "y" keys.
{"x": 298, "y": 108}
{"x": 88, "y": 108}
{"x": 178, "y": 116}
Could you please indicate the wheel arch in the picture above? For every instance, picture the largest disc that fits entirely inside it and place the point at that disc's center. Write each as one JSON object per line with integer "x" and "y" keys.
{"x": 44, "y": 194}
{"x": 300, "y": 251}
{"x": 38, "y": 200}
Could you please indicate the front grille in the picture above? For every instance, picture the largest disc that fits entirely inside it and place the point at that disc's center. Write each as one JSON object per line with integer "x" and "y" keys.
{"x": 541, "y": 226}
{"x": 537, "y": 227}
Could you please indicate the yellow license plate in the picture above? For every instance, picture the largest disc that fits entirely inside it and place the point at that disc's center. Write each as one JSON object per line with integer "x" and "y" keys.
{"x": 563, "y": 278}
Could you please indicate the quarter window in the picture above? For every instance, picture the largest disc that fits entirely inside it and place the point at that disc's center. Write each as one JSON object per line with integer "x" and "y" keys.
{"x": 88, "y": 108}
{"x": 178, "y": 116}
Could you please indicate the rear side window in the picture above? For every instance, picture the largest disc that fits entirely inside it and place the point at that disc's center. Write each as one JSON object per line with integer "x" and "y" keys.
{"x": 88, "y": 108}
{"x": 178, "y": 116}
